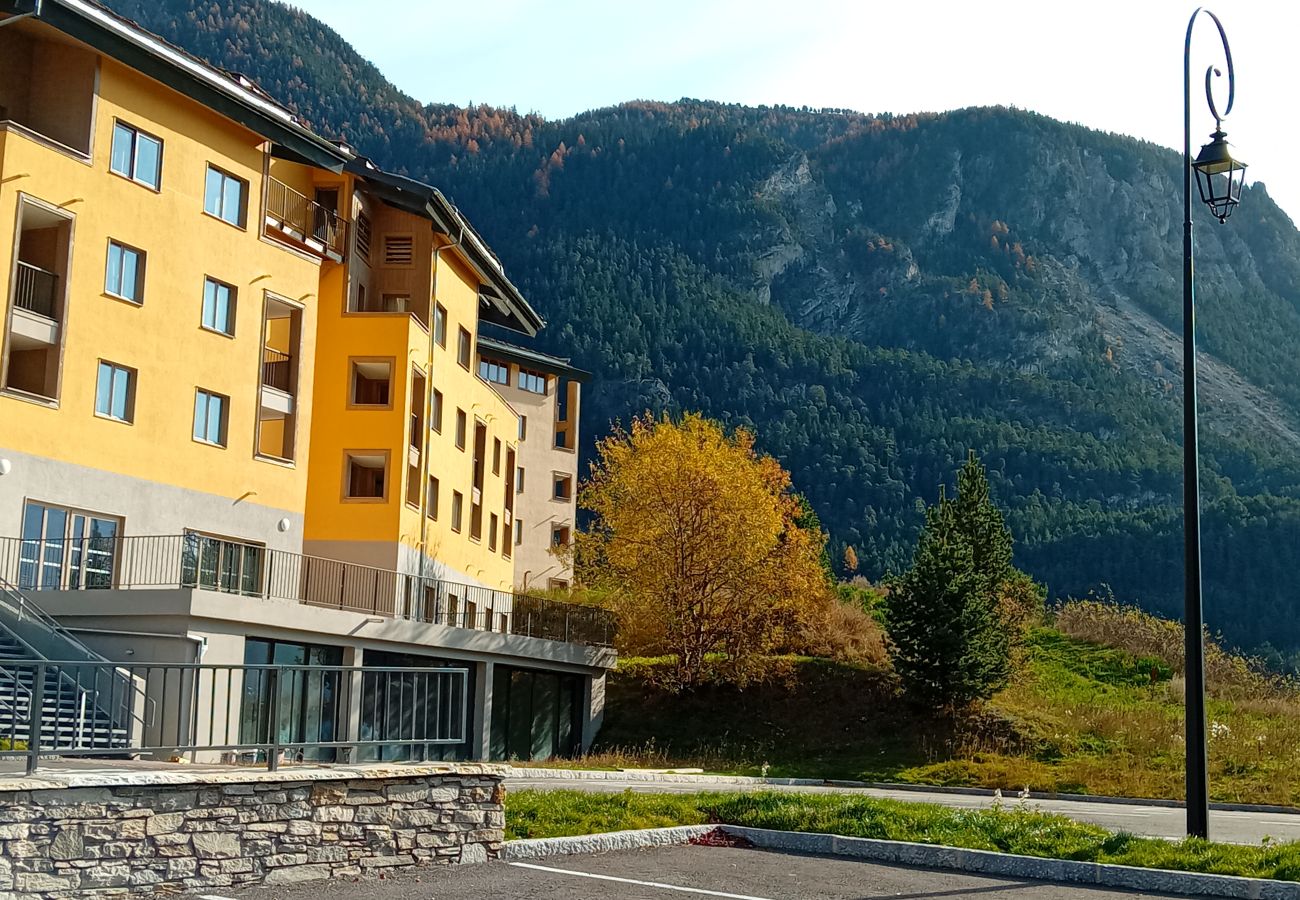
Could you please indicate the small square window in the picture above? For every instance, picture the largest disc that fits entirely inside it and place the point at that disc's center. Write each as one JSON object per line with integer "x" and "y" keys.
{"x": 218, "y": 306}
{"x": 462, "y": 425}
{"x": 457, "y": 508}
{"x": 560, "y": 536}
{"x": 563, "y": 487}
{"x": 136, "y": 155}
{"x": 210, "y": 417}
{"x": 463, "y": 350}
{"x": 124, "y": 274}
{"x": 115, "y": 392}
{"x": 225, "y": 197}
{"x": 366, "y": 475}
{"x": 371, "y": 382}
{"x": 440, "y": 325}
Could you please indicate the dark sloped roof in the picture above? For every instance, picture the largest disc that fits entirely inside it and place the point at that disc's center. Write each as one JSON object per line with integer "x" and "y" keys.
{"x": 528, "y": 356}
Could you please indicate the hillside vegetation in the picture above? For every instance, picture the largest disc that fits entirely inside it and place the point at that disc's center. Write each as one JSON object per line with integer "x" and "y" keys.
{"x": 875, "y": 295}
{"x": 1078, "y": 717}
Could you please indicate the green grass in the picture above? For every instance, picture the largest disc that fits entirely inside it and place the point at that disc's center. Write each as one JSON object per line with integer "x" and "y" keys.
{"x": 1019, "y": 830}
{"x": 1077, "y": 718}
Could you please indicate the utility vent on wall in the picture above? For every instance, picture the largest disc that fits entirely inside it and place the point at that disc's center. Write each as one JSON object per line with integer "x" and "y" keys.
{"x": 363, "y": 236}
{"x": 399, "y": 249}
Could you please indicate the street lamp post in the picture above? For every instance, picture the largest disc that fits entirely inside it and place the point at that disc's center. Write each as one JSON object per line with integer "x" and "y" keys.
{"x": 1219, "y": 179}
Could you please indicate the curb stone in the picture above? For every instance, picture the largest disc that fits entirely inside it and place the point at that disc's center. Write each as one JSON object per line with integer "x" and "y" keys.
{"x": 539, "y": 773}
{"x": 929, "y": 856}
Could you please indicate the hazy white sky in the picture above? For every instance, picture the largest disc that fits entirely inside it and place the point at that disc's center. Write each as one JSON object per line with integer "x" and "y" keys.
{"x": 1110, "y": 65}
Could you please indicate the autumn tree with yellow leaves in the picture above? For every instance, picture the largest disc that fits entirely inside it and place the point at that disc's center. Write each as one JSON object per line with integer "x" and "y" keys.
{"x": 695, "y": 542}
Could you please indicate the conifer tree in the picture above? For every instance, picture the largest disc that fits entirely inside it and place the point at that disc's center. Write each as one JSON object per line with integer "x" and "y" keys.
{"x": 950, "y": 645}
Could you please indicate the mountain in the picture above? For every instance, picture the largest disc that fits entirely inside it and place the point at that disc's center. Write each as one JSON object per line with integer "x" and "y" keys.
{"x": 874, "y": 295}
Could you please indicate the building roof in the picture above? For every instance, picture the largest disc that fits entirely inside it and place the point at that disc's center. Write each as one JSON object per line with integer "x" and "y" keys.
{"x": 504, "y": 304}
{"x": 530, "y": 357}
{"x": 233, "y": 96}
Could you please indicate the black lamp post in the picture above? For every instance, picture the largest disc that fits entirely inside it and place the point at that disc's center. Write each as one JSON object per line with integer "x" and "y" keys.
{"x": 1219, "y": 178}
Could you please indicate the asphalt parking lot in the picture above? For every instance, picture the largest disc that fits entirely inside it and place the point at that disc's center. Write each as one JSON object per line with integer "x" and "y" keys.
{"x": 665, "y": 873}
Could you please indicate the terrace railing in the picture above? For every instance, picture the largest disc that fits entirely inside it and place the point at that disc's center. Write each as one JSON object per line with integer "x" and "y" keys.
{"x": 251, "y": 570}
{"x": 304, "y": 220}
{"x": 34, "y": 289}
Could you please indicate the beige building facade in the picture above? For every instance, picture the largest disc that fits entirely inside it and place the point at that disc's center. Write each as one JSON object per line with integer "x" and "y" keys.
{"x": 546, "y": 393}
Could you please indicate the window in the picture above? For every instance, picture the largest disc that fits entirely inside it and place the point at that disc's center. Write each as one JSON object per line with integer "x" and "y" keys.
{"x": 136, "y": 155}
{"x": 363, "y": 236}
{"x": 457, "y": 507}
{"x": 224, "y": 197}
{"x": 519, "y": 532}
{"x": 560, "y": 536}
{"x": 399, "y": 249}
{"x": 218, "y": 306}
{"x": 124, "y": 274}
{"x": 461, "y": 426}
{"x": 371, "y": 380}
{"x": 496, "y": 456}
{"x": 519, "y": 480}
{"x": 66, "y": 548}
{"x": 493, "y": 371}
{"x": 563, "y": 487}
{"x": 492, "y": 532}
{"x": 435, "y": 415}
{"x": 431, "y": 500}
{"x": 115, "y": 392}
{"x": 394, "y": 303}
{"x": 533, "y": 382}
{"x": 440, "y": 325}
{"x": 365, "y": 475}
{"x": 218, "y": 564}
{"x": 463, "y": 349}
{"x": 523, "y": 427}
{"x": 210, "y": 413}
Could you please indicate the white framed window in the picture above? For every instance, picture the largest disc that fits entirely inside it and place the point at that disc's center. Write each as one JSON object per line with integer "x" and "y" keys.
{"x": 124, "y": 273}
{"x": 533, "y": 382}
{"x": 115, "y": 392}
{"x": 218, "y": 306}
{"x": 136, "y": 155}
{"x": 211, "y": 412}
{"x": 225, "y": 197}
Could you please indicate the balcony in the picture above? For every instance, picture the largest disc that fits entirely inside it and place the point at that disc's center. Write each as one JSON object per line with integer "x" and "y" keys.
{"x": 34, "y": 290}
{"x": 298, "y": 220}
{"x": 251, "y": 570}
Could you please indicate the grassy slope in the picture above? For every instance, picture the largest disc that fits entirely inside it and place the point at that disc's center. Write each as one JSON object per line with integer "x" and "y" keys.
{"x": 1078, "y": 718}
{"x": 534, "y": 814}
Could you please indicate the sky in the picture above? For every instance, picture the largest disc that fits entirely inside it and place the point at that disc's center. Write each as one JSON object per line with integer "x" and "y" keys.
{"x": 1116, "y": 66}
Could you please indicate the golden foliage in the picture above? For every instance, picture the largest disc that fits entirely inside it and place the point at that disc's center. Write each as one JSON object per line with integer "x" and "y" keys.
{"x": 695, "y": 542}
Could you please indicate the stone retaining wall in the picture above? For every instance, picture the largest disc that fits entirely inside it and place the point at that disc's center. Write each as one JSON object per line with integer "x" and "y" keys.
{"x": 230, "y": 830}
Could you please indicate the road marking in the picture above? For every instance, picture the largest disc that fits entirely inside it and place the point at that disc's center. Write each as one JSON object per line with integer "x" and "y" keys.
{"x": 651, "y": 884}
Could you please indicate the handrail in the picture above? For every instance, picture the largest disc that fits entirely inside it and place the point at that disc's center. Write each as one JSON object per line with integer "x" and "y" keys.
{"x": 277, "y": 369}
{"x": 34, "y": 289}
{"x": 306, "y": 220}
{"x": 200, "y": 561}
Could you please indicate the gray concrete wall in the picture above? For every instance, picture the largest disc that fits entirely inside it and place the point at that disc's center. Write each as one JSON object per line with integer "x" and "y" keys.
{"x": 146, "y": 507}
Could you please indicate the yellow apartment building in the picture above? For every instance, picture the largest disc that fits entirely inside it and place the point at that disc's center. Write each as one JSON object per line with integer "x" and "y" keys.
{"x": 241, "y": 422}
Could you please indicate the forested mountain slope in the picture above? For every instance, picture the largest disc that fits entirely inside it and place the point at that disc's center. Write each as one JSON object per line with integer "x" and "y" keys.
{"x": 875, "y": 294}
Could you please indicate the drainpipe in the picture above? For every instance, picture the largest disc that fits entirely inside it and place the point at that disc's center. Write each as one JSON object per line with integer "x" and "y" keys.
{"x": 27, "y": 15}
{"x": 428, "y": 397}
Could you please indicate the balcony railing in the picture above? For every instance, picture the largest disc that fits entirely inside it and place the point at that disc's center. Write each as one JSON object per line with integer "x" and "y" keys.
{"x": 277, "y": 369}
{"x": 34, "y": 289}
{"x": 305, "y": 220}
{"x": 251, "y": 570}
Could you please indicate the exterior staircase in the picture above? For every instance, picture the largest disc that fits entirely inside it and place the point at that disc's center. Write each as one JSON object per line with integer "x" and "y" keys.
{"x": 84, "y": 699}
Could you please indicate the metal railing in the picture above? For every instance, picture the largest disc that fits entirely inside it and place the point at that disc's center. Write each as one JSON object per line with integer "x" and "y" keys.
{"x": 34, "y": 289}
{"x": 199, "y": 561}
{"x": 305, "y": 219}
{"x": 277, "y": 369}
{"x": 257, "y": 714}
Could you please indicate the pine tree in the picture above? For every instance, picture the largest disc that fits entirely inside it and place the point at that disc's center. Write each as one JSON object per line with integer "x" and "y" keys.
{"x": 950, "y": 644}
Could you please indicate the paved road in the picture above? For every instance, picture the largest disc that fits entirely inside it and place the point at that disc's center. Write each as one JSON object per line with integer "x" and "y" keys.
{"x": 1156, "y": 821}
{"x": 680, "y": 873}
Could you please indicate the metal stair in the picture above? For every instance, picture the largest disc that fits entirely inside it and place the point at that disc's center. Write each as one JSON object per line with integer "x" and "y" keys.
{"x": 80, "y": 708}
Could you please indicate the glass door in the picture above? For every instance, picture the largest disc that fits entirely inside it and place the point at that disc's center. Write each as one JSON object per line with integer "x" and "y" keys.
{"x": 65, "y": 549}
